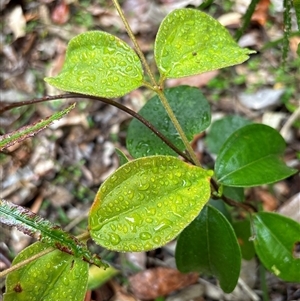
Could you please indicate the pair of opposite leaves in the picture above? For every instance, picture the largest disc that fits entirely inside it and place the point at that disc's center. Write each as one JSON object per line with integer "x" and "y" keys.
{"x": 188, "y": 42}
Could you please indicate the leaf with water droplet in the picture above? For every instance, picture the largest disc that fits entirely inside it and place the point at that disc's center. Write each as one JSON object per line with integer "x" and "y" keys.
{"x": 147, "y": 202}
{"x": 32, "y": 224}
{"x": 189, "y": 106}
{"x": 54, "y": 276}
{"x": 100, "y": 64}
{"x": 190, "y": 42}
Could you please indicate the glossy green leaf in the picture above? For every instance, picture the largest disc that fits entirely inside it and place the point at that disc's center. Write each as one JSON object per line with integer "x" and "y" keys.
{"x": 189, "y": 42}
{"x": 277, "y": 244}
{"x": 220, "y": 205}
{"x": 192, "y": 111}
{"x": 243, "y": 234}
{"x": 29, "y": 131}
{"x": 221, "y": 129}
{"x": 252, "y": 156}
{"x": 54, "y": 276}
{"x": 209, "y": 245}
{"x": 43, "y": 230}
{"x": 100, "y": 64}
{"x": 234, "y": 193}
{"x": 147, "y": 202}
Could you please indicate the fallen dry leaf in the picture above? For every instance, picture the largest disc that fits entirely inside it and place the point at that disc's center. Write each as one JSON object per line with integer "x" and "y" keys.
{"x": 291, "y": 208}
{"x": 261, "y": 12}
{"x": 269, "y": 201}
{"x": 60, "y": 13}
{"x": 199, "y": 80}
{"x": 16, "y": 22}
{"x": 159, "y": 281}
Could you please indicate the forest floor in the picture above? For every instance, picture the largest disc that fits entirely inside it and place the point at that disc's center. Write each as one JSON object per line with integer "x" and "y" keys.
{"x": 57, "y": 173}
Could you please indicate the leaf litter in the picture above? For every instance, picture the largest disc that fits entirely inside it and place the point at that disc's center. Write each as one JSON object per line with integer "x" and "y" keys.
{"x": 70, "y": 154}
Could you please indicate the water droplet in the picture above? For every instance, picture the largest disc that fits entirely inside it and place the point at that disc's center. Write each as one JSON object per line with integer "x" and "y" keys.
{"x": 133, "y": 247}
{"x": 145, "y": 235}
{"x": 157, "y": 239}
{"x": 113, "y": 227}
{"x": 114, "y": 238}
{"x": 143, "y": 186}
{"x": 149, "y": 220}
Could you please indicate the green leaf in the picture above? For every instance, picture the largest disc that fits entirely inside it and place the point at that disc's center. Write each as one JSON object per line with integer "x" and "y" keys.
{"x": 234, "y": 193}
{"x": 192, "y": 111}
{"x": 277, "y": 244}
{"x": 43, "y": 230}
{"x": 209, "y": 245}
{"x": 32, "y": 129}
{"x": 54, "y": 276}
{"x": 297, "y": 10}
{"x": 122, "y": 157}
{"x": 221, "y": 129}
{"x": 243, "y": 234}
{"x": 220, "y": 205}
{"x": 147, "y": 202}
{"x": 190, "y": 42}
{"x": 252, "y": 156}
{"x": 99, "y": 64}
{"x": 98, "y": 277}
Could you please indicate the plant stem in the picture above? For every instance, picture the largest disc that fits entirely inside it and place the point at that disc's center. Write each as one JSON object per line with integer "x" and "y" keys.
{"x": 178, "y": 127}
{"x": 157, "y": 88}
{"x": 82, "y": 237}
{"x": 134, "y": 41}
{"x": 248, "y": 207}
{"x": 26, "y": 261}
{"x": 110, "y": 102}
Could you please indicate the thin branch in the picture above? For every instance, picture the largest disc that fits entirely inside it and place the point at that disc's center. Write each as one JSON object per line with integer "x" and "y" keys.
{"x": 248, "y": 207}
{"x": 26, "y": 261}
{"x": 108, "y": 101}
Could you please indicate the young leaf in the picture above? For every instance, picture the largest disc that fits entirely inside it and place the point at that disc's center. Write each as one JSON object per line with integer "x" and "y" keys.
{"x": 99, "y": 64}
{"x": 54, "y": 276}
{"x": 189, "y": 106}
{"x": 209, "y": 245}
{"x": 243, "y": 234}
{"x": 277, "y": 244}
{"x": 221, "y": 129}
{"x": 189, "y": 42}
{"x": 30, "y": 130}
{"x": 252, "y": 156}
{"x": 52, "y": 235}
{"x": 147, "y": 202}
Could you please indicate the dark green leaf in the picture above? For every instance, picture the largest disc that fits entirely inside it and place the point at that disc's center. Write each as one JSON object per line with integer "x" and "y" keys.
{"x": 209, "y": 245}
{"x": 192, "y": 111}
{"x": 234, "y": 193}
{"x": 100, "y": 64}
{"x": 190, "y": 42}
{"x": 277, "y": 244}
{"x": 147, "y": 202}
{"x": 52, "y": 235}
{"x": 220, "y": 205}
{"x": 252, "y": 156}
{"x": 54, "y": 276}
{"x": 29, "y": 131}
{"x": 243, "y": 234}
{"x": 221, "y": 129}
